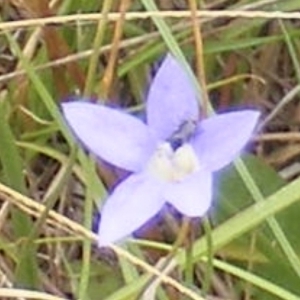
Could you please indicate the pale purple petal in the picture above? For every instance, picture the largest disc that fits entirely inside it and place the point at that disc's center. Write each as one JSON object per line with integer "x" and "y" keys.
{"x": 131, "y": 205}
{"x": 114, "y": 136}
{"x": 219, "y": 139}
{"x": 171, "y": 100}
{"x": 191, "y": 196}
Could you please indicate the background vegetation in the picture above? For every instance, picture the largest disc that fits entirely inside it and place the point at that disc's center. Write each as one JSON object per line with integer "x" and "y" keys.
{"x": 243, "y": 54}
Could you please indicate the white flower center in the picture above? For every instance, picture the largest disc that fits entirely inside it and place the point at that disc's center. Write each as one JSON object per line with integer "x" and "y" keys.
{"x": 173, "y": 165}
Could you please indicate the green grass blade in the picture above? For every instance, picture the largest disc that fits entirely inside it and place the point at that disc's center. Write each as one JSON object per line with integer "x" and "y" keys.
{"x": 272, "y": 222}
{"x": 248, "y": 219}
{"x": 12, "y": 165}
{"x": 257, "y": 281}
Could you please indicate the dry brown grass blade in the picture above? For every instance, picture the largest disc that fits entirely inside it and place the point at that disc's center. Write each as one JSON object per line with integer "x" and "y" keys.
{"x": 56, "y": 48}
{"x": 94, "y": 17}
{"x": 106, "y": 83}
{"x": 26, "y": 294}
{"x": 63, "y": 223}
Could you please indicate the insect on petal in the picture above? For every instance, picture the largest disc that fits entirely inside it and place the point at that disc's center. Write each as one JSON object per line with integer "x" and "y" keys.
{"x": 171, "y": 100}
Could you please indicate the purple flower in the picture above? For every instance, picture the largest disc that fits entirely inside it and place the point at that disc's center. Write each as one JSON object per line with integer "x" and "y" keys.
{"x": 171, "y": 158}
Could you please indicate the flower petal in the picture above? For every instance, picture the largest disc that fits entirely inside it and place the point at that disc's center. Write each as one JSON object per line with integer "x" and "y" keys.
{"x": 116, "y": 137}
{"x": 132, "y": 204}
{"x": 171, "y": 100}
{"x": 221, "y": 137}
{"x": 193, "y": 195}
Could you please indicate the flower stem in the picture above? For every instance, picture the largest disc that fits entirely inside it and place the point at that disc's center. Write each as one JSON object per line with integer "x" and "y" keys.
{"x": 164, "y": 265}
{"x": 189, "y": 270}
{"x": 209, "y": 254}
